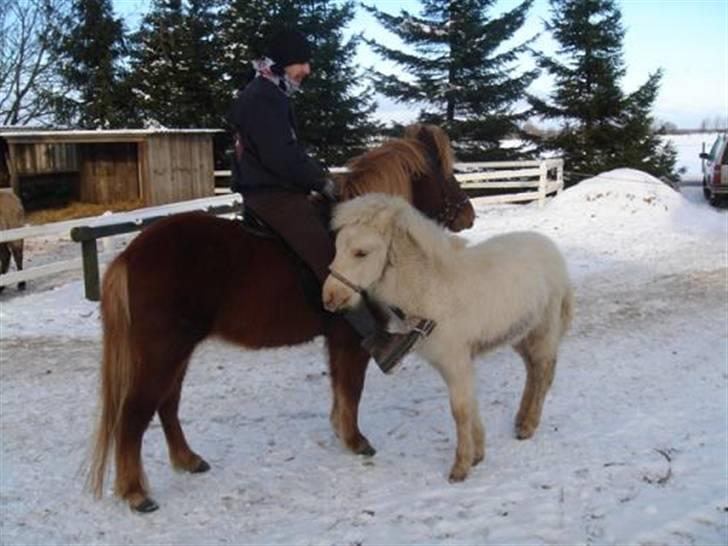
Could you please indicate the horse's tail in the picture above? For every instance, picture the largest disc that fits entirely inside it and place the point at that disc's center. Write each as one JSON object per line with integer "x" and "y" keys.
{"x": 567, "y": 311}
{"x": 117, "y": 368}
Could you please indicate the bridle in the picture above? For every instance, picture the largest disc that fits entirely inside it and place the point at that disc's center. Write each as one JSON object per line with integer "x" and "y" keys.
{"x": 452, "y": 204}
{"x": 451, "y": 210}
{"x": 355, "y": 287}
{"x": 346, "y": 282}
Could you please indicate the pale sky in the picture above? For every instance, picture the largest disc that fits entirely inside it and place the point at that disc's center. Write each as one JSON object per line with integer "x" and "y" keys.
{"x": 688, "y": 39}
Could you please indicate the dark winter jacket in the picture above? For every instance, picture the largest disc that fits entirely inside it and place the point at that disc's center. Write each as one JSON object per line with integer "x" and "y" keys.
{"x": 272, "y": 157}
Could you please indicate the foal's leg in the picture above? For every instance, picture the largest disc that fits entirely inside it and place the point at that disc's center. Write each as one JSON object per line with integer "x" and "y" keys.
{"x": 540, "y": 367}
{"x": 460, "y": 380}
{"x": 180, "y": 454}
{"x": 347, "y": 365}
{"x": 478, "y": 434}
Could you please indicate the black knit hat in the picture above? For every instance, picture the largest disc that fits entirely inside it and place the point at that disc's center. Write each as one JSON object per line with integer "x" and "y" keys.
{"x": 289, "y": 47}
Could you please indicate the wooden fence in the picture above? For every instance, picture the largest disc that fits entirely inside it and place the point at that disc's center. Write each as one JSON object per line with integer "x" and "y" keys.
{"x": 110, "y": 224}
{"x": 539, "y": 178}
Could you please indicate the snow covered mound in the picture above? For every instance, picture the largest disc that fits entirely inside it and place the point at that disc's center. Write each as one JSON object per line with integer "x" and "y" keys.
{"x": 624, "y": 190}
{"x": 626, "y": 197}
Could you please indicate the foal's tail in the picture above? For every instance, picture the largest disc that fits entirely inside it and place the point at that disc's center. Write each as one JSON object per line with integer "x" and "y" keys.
{"x": 117, "y": 368}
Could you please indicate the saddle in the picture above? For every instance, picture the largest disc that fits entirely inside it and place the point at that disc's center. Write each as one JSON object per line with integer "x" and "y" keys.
{"x": 254, "y": 225}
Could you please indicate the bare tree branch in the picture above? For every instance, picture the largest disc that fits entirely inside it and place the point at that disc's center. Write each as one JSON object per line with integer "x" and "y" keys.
{"x": 27, "y": 63}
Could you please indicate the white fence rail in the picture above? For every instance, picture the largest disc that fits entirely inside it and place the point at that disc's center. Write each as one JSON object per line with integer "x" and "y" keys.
{"x": 540, "y": 177}
{"x": 64, "y": 228}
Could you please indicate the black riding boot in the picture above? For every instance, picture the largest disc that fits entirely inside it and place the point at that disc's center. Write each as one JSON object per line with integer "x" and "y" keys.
{"x": 388, "y": 349}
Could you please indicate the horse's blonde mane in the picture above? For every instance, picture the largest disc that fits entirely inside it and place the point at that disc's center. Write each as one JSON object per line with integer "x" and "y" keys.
{"x": 391, "y": 167}
{"x": 386, "y": 169}
{"x": 437, "y": 138}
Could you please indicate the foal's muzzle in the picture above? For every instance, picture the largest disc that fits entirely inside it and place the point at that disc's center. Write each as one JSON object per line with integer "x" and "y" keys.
{"x": 339, "y": 292}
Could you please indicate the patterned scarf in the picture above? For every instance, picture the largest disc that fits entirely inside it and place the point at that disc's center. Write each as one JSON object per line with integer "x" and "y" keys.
{"x": 284, "y": 83}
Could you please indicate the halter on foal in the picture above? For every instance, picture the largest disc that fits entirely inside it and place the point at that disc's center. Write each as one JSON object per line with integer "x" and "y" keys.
{"x": 159, "y": 302}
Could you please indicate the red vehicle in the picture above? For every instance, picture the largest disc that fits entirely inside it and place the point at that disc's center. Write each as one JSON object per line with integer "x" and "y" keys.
{"x": 715, "y": 170}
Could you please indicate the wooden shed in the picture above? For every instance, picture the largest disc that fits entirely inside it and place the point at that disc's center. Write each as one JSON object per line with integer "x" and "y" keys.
{"x": 153, "y": 166}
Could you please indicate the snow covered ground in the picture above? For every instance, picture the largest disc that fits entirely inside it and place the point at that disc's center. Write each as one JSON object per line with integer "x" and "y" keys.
{"x": 631, "y": 450}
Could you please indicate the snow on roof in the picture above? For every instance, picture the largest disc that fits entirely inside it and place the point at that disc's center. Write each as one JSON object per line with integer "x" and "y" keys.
{"x": 18, "y": 133}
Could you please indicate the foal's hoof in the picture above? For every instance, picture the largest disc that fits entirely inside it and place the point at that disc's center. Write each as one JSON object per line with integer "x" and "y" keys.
{"x": 458, "y": 475}
{"x": 202, "y": 467}
{"x": 21, "y": 285}
{"x": 524, "y": 431}
{"x": 146, "y": 506}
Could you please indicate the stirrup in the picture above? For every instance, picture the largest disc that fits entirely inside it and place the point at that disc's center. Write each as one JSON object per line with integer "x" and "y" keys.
{"x": 398, "y": 323}
{"x": 389, "y": 349}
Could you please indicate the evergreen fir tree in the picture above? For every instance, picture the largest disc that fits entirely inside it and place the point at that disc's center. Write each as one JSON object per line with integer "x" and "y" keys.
{"x": 603, "y": 128}
{"x": 245, "y": 27}
{"x": 333, "y": 112}
{"x": 175, "y": 72}
{"x": 91, "y": 52}
{"x": 460, "y": 71}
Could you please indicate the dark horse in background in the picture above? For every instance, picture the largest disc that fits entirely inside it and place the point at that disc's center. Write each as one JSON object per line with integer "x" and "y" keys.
{"x": 158, "y": 303}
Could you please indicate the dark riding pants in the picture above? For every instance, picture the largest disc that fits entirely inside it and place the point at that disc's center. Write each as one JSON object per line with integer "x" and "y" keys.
{"x": 299, "y": 223}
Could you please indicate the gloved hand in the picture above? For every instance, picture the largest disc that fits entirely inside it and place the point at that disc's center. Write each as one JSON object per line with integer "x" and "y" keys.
{"x": 330, "y": 191}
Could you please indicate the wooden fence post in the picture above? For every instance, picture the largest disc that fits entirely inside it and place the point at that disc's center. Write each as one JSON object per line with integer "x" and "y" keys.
{"x": 542, "y": 181}
{"x": 89, "y": 252}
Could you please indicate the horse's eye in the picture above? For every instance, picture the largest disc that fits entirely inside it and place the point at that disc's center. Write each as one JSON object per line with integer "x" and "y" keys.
{"x": 360, "y": 253}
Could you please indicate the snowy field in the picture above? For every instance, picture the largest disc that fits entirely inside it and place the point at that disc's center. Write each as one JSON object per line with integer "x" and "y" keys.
{"x": 631, "y": 449}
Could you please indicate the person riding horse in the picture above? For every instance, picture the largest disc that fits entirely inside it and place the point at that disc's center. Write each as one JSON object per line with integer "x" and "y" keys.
{"x": 275, "y": 176}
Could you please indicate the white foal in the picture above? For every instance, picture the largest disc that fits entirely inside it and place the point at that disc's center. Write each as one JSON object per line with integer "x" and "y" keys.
{"x": 512, "y": 288}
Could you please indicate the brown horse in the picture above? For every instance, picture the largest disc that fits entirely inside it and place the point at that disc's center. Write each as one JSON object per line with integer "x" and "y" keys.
{"x": 157, "y": 304}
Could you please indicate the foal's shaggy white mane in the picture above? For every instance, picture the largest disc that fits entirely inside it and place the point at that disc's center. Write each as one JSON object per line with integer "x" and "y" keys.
{"x": 386, "y": 213}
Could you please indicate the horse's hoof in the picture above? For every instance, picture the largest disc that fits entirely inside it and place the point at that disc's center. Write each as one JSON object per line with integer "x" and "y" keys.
{"x": 367, "y": 451}
{"x": 202, "y": 467}
{"x": 21, "y": 286}
{"x": 146, "y": 506}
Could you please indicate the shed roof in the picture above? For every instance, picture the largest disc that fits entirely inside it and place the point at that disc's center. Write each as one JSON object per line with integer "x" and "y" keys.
{"x": 12, "y": 135}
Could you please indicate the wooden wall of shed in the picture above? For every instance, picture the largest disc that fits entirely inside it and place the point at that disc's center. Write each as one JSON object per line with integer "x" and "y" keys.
{"x": 41, "y": 158}
{"x": 5, "y": 177}
{"x": 108, "y": 172}
{"x": 178, "y": 167}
